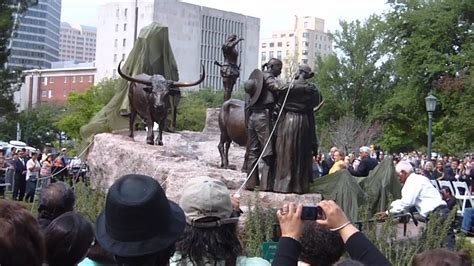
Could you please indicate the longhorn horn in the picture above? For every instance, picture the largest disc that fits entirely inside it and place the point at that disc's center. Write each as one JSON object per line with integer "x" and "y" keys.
{"x": 185, "y": 84}
{"x": 132, "y": 79}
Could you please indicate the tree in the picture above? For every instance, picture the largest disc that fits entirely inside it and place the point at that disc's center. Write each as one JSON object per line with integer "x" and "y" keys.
{"x": 350, "y": 133}
{"x": 359, "y": 75}
{"x": 38, "y": 125}
{"x": 81, "y": 107}
{"x": 430, "y": 42}
{"x": 9, "y": 79}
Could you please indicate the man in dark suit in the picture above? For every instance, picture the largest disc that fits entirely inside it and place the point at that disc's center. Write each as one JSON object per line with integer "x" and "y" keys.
{"x": 366, "y": 163}
{"x": 19, "y": 163}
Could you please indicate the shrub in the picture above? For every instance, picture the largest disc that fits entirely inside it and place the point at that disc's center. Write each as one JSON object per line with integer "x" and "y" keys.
{"x": 258, "y": 226}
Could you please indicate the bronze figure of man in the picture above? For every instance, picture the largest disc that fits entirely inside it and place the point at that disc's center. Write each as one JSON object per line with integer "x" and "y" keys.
{"x": 230, "y": 69}
{"x": 261, "y": 89}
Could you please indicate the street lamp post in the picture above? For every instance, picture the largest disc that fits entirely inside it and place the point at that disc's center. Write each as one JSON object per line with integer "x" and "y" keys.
{"x": 430, "y": 108}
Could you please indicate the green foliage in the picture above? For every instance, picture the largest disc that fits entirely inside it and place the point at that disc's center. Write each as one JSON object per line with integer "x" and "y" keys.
{"x": 9, "y": 79}
{"x": 38, "y": 125}
{"x": 258, "y": 226}
{"x": 430, "y": 42}
{"x": 402, "y": 251}
{"x": 193, "y": 106}
{"x": 89, "y": 201}
{"x": 81, "y": 107}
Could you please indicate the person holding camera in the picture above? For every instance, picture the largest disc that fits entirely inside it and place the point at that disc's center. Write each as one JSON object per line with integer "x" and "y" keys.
{"x": 292, "y": 224}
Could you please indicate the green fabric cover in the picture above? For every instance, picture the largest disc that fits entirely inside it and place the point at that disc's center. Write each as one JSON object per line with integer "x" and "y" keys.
{"x": 352, "y": 192}
{"x": 151, "y": 54}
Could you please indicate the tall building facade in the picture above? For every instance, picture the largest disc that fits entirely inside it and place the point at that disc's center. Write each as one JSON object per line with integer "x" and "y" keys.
{"x": 77, "y": 42}
{"x": 36, "y": 41}
{"x": 196, "y": 35}
{"x": 115, "y": 33}
{"x": 301, "y": 45}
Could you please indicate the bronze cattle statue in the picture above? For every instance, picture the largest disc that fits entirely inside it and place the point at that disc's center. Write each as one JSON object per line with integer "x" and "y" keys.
{"x": 149, "y": 97}
{"x": 232, "y": 127}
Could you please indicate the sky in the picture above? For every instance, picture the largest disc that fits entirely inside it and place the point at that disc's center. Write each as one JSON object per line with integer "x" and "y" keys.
{"x": 274, "y": 15}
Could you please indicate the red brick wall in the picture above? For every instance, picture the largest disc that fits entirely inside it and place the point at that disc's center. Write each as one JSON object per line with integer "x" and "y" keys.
{"x": 60, "y": 86}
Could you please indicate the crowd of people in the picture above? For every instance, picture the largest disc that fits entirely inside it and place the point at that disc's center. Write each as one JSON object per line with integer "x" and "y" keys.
{"x": 27, "y": 170}
{"x": 141, "y": 226}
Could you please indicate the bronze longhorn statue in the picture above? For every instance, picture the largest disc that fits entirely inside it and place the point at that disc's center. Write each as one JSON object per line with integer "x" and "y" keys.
{"x": 149, "y": 97}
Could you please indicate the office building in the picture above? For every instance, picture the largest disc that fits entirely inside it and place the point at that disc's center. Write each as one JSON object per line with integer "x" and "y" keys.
{"x": 301, "y": 45}
{"x": 36, "y": 41}
{"x": 196, "y": 35}
{"x": 77, "y": 42}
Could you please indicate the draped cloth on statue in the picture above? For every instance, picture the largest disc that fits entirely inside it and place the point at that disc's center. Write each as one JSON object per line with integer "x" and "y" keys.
{"x": 151, "y": 54}
{"x": 293, "y": 144}
{"x": 374, "y": 191}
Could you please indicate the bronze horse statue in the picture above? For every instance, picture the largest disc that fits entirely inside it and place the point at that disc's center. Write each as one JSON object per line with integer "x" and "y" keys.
{"x": 149, "y": 97}
{"x": 232, "y": 127}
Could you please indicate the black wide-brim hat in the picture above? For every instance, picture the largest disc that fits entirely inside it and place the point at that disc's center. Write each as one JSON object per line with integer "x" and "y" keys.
{"x": 138, "y": 218}
{"x": 252, "y": 96}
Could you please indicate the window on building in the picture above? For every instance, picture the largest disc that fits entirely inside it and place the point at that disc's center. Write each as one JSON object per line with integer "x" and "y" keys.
{"x": 305, "y": 44}
{"x": 264, "y": 45}
{"x": 73, "y": 79}
{"x": 51, "y": 80}
{"x": 304, "y": 52}
{"x": 288, "y": 44}
{"x": 264, "y": 56}
{"x": 287, "y": 52}
{"x": 81, "y": 79}
{"x": 283, "y": 35}
{"x": 279, "y": 54}
{"x": 125, "y": 12}
{"x": 65, "y": 79}
{"x": 320, "y": 37}
{"x": 291, "y": 35}
{"x": 125, "y": 27}
{"x": 270, "y": 54}
{"x": 305, "y": 35}
{"x": 64, "y": 93}
{"x": 115, "y": 58}
{"x": 44, "y": 94}
{"x": 319, "y": 46}
{"x": 50, "y": 94}
{"x": 116, "y": 27}
{"x": 124, "y": 42}
{"x": 90, "y": 78}
{"x": 305, "y": 24}
{"x": 123, "y": 57}
{"x": 115, "y": 43}
{"x": 279, "y": 44}
{"x": 304, "y": 61}
{"x": 316, "y": 37}
{"x": 272, "y": 44}
{"x": 117, "y": 12}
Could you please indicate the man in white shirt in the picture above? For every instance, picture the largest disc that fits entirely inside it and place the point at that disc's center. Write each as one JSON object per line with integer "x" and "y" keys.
{"x": 418, "y": 192}
{"x": 32, "y": 174}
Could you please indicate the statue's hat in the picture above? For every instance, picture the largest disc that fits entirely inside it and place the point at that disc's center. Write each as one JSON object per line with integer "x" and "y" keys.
{"x": 253, "y": 86}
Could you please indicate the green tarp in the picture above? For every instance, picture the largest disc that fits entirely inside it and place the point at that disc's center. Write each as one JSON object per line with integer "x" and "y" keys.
{"x": 352, "y": 192}
{"x": 151, "y": 54}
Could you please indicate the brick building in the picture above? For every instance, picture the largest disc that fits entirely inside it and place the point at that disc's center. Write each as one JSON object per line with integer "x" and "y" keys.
{"x": 52, "y": 85}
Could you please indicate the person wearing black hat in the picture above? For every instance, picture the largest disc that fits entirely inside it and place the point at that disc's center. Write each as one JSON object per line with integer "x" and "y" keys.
{"x": 139, "y": 224}
{"x": 261, "y": 88}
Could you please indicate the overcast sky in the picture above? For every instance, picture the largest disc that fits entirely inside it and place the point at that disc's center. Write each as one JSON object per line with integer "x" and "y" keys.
{"x": 274, "y": 15}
